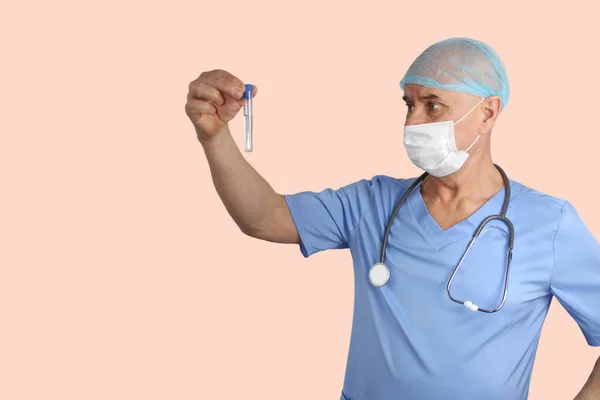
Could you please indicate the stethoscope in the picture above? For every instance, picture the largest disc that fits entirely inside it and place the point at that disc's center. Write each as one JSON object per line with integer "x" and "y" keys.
{"x": 379, "y": 273}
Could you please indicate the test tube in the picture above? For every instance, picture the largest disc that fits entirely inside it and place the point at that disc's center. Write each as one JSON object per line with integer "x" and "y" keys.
{"x": 248, "y": 118}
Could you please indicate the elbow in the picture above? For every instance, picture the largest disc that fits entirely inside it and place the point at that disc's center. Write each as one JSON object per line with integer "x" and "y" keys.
{"x": 246, "y": 229}
{"x": 259, "y": 231}
{"x": 252, "y": 230}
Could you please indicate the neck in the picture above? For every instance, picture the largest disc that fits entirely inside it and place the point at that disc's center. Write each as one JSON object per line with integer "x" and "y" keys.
{"x": 478, "y": 178}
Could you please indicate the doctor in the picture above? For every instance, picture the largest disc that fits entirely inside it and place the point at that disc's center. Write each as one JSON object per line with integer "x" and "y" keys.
{"x": 411, "y": 337}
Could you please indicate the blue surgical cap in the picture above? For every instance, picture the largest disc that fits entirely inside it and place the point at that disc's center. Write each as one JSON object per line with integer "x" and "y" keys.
{"x": 460, "y": 65}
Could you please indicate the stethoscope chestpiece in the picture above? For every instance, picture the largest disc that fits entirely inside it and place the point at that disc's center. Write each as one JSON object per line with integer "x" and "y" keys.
{"x": 379, "y": 274}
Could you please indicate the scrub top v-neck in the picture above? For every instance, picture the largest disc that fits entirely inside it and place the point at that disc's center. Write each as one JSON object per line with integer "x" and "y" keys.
{"x": 465, "y": 228}
{"x": 409, "y": 340}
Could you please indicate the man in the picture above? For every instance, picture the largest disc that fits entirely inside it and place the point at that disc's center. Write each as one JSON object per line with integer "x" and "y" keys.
{"x": 409, "y": 339}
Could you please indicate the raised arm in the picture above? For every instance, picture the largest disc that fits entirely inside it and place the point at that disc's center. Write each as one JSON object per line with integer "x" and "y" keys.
{"x": 213, "y": 100}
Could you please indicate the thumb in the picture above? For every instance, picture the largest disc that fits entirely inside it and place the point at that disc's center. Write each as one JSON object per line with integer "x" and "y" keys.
{"x": 241, "y": 101}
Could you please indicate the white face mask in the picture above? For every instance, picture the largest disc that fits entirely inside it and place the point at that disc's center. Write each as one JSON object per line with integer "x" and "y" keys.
{"x": 432, "y": 147}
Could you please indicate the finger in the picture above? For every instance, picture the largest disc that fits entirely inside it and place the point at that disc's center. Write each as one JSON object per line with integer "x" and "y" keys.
{"x": 254, "y": 90}
{"x": 224, "y": 82}
{"x": 201, "y": 106}
{"x": 202, "y": 91}
{"x": 240, "y": 102}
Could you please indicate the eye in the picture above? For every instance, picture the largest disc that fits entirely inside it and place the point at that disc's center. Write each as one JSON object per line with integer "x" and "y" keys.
{"x": 433, "y": 106}
{"x": 410, "y": 107}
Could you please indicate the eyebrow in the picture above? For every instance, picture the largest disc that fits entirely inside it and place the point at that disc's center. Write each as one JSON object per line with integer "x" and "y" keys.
{"x": 426, "y": 97}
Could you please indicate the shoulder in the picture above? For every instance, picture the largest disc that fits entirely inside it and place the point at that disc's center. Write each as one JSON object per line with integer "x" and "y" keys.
{"x": 535, "y": 205}
{"x": 378, "y": 184}
{"x": 522, "y": 192}
{"x": 385, "y": 187}
{"x": 389, "y": 183}
{"x": 525, "y": 193}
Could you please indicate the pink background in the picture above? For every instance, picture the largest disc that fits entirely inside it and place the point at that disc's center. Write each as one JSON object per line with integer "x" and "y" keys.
{"x": 122, "y": 275}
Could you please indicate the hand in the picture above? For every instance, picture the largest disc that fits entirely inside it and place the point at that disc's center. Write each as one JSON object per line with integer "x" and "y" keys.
{"x": 214, "y": 98}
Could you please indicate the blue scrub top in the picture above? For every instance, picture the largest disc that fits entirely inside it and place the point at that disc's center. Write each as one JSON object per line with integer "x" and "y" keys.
{"x": 409, "y": 340}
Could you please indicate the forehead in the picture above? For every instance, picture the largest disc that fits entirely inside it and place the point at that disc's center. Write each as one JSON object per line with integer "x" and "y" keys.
{"x": 414, "y": 93}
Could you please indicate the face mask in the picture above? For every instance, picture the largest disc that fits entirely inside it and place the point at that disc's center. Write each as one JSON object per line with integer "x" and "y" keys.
{"x": 432, "y": 147}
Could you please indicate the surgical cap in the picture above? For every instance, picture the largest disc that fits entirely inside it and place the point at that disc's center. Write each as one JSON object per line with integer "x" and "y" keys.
{"x": 460, "y": 65}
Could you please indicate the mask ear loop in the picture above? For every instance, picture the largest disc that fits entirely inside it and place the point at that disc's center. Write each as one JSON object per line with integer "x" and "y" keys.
{"x": 464, "y": 117}
{"x": 469, "y": 148}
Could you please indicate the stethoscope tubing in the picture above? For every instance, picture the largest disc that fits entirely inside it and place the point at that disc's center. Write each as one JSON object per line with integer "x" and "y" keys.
{"x": 502, "y": 217}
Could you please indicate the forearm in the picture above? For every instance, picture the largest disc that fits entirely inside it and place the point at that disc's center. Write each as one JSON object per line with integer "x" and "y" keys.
{"x": 248, "y": 198}
{"x": 591, "y": 389}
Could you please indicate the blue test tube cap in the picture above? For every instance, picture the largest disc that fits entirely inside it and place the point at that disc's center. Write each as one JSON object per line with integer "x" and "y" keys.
{"x": 248, "y": 91}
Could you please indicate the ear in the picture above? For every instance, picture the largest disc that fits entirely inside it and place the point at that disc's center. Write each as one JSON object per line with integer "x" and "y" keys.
{"x": 491, "y": 110}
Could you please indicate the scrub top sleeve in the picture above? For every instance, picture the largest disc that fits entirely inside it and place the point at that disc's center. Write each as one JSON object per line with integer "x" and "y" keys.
{"x": 576, "y": 277}
{"x": 326, "y": 219}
